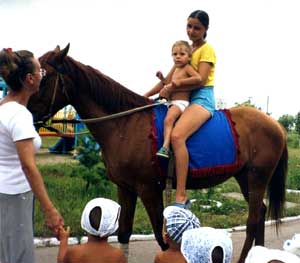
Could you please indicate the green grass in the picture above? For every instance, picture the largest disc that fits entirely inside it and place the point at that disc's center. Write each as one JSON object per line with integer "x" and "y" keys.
{"x": 67, "y": 191}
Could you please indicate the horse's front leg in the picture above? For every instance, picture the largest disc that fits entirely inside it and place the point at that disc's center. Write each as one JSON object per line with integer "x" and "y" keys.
{"x": 127, "y": 201}
{"x": 152, "y": 198}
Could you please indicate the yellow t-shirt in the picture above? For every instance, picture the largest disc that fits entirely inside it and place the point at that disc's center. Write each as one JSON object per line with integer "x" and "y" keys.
{"x": 205, "y": 53}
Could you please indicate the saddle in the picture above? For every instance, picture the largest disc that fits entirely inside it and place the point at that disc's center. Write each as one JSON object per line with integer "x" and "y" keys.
{"x": 213, "y": 149}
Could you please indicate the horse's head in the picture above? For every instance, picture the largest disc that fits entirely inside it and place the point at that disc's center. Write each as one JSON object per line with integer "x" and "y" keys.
{"x": 53, "y": 93}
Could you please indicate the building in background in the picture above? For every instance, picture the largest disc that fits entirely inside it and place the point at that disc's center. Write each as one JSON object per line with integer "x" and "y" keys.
{"x": 220, "y": 103}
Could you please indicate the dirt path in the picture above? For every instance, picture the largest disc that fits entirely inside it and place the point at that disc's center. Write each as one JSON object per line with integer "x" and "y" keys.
{"x": 44, "y": 157}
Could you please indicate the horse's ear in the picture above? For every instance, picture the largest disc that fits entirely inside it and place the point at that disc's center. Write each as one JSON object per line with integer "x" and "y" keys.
{"x": 65, "y": 51}
{"x": 57, "y": 61}
{"x": 57, "y": 49}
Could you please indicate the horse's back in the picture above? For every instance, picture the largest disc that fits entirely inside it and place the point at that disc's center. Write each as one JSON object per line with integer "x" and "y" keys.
{"x": 259, "y": 134}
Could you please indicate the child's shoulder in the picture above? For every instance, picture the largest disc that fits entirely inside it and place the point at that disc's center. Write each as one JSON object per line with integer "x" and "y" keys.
{"x": 169, "y": 256}
{"x": 88, "y": 252}
{"x": 112, "y": 254}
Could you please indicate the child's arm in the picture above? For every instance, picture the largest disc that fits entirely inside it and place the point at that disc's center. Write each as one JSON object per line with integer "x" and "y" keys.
{"x": 160, "y": 85}
{"x": 63, "y": 236}
{"x": 193, "y": 78}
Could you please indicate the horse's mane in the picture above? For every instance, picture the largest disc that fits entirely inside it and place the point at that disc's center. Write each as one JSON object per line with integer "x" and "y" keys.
{"x": 103, "y": 90}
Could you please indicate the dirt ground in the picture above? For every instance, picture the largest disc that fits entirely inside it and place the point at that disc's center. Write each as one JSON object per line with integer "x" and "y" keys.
{"x": 44, "y": 157}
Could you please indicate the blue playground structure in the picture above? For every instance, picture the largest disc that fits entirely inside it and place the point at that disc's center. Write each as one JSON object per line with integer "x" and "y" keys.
{"x": 3, "y": 88}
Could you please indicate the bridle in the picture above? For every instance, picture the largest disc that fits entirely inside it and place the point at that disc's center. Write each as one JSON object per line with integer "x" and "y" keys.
{"x": 60, "y": 80}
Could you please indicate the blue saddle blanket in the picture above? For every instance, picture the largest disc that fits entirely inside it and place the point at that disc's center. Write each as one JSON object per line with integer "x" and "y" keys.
{"x": 213, "y": 149}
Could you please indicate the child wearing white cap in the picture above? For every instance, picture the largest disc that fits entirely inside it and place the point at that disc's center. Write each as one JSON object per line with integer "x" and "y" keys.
{"x": 259, "y": 254}
{"x": 100, "y": 219}
{"x": 176, "y": 221}
{"x": 206, "y": 245}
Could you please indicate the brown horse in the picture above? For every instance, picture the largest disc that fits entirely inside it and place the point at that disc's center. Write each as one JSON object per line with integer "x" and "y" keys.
{"x": 126, "y": 146}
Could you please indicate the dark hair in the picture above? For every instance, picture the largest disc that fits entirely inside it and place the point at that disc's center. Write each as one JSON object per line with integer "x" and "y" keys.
{"x": 95, "y": 217}
{"x": 203, "y": 18}
{"x": 14, "y": 66}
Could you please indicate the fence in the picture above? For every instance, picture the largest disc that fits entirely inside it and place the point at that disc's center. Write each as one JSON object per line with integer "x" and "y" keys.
{"x": 67, "y": 113}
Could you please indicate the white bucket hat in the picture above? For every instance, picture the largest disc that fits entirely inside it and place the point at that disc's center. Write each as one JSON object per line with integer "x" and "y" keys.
{"x": 109, "y": 222}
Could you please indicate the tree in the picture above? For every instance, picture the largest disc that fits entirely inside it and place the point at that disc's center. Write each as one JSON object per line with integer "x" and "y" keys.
{"x": 287, "y": 121}
{"x": 297, "y": 123}
{"x": 247, "y": 103}
{"x": 92, "y": 168}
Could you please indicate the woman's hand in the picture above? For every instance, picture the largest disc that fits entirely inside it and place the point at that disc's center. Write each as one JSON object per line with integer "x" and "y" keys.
{"x": 54, "y": 221}
{"x": 164, "y": 92}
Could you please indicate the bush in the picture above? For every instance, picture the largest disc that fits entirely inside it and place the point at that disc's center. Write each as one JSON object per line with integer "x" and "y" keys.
{"x": 293, "y": 140}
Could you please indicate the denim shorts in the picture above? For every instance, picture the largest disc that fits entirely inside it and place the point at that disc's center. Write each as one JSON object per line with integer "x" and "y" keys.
{"x": 204, "y": 97}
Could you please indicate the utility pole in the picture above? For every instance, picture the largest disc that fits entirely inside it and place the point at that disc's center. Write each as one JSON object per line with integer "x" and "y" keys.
{"x": 268, "y": 105}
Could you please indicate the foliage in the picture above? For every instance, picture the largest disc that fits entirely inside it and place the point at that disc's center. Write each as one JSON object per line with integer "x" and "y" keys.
{"x": 293, "y": 140}
{"x": 287, "y": 121}
{"x": 92, "y": 169}
{"x": 246, "y": 103}
{"x": 293, "y": 179}
{"x": 297, "y": 123}
{"x": 68, "y": 195}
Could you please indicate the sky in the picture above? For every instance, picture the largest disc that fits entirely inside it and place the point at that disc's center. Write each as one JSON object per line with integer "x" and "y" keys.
{"x": 256, "y": 42}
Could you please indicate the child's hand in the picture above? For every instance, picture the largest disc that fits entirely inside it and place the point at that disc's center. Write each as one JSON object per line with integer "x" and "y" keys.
{"x": 160, "y": 75}
{"x": 63, "y": 234}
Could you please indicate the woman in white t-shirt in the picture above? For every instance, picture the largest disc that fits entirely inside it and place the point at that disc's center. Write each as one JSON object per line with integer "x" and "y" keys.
{"x": 20, "y": 178}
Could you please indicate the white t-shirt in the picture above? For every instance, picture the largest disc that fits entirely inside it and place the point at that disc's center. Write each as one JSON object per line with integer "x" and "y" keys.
{"x": 16, "y": 124}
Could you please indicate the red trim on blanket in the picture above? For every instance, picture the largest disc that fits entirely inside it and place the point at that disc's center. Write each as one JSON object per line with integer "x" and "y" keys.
{"x": 206, "y": 171}
{"x": 226, "y": 168}
{"x": 154, "y": 147}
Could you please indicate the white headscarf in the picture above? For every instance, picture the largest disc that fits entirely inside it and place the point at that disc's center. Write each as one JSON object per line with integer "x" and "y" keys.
{"x": 179, "y": 220}
{"x": 293, "y": 245}
{"x": 197, "y": 244}
{"x": 259, "y": 254}
{"x": 109, "y": 222}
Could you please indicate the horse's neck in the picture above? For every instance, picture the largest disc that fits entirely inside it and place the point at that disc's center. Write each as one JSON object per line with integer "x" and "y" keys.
{"x": 108, "y": 94}
{"x": 96, "y": 95}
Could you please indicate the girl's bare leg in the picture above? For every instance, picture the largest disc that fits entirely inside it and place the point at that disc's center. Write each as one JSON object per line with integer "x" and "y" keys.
{"x": 191, "y": 119}
{"x": 172, "y": 115}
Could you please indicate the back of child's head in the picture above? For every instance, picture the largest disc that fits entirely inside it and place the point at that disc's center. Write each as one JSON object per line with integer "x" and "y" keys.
{"x": 206, "y": 245}
{"x": 183, "y": 44}
{"x": 217, "y": 255}
{"x": 100, "y": 217}
{"x": 178, "y": 220}
{"x": 95, "y": 217}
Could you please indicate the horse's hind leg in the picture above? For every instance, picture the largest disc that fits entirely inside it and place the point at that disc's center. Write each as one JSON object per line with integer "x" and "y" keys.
{"x": 260, "y": 233}
{"x": 253, "y": 189}
{"x": 127, "y": 201}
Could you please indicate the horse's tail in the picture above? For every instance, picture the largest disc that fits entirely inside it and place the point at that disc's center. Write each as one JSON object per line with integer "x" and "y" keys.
{"x": 276, "y": 188}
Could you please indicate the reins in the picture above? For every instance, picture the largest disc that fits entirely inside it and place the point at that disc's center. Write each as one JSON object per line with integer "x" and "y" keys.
{"x": 123, "y": 113}
{"x": 90, "y": 120}
{"x": 93, "y": 120}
